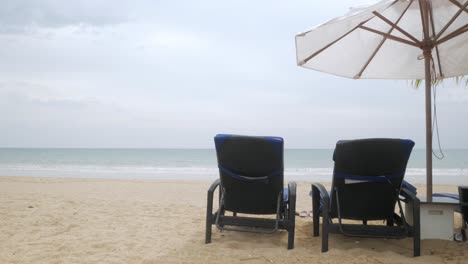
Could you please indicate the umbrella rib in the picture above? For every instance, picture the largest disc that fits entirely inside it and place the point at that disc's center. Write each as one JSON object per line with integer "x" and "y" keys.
{"x": 328, "y": 45}
{"x": 382, "y": 42}
{"x": 455, "y": 33}
{"x": 423, "y": 19}
{"x": 394, "y": 25}
{"x": 458, "y": 4}
{"x": 451, "y": 21}
{"x": 389, "y": 36}
{"x": 338, "y": 39}
{"x": 436, "y": 47}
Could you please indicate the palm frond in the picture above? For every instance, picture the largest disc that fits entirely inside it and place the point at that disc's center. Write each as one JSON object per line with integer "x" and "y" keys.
{"x": 416, "y": 83}
{"x": 459, "y": 80}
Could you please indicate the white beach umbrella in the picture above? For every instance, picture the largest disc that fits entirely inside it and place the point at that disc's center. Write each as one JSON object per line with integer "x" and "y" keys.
{"x": 393, "y": 39}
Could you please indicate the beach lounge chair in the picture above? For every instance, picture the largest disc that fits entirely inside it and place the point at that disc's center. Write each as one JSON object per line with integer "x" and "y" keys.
{"x": 251, "y": 182}
{"x": 366, "y": 186}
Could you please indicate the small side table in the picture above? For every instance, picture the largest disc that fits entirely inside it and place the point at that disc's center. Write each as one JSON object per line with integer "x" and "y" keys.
{"x": 436, "y": 217}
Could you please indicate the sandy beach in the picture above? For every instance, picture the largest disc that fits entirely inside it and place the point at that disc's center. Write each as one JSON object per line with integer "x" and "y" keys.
{"x": 56, "y": 220}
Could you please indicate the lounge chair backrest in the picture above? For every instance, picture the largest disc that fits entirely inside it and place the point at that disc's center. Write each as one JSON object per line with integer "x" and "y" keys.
{"x": 367, "y": 177}
{"x": 251, "y": 172}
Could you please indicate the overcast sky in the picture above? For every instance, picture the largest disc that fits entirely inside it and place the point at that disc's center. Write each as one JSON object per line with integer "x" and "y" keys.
{"x": 104, "y": 73}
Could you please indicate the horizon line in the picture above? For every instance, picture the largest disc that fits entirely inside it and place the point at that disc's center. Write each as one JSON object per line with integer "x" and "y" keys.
{"x": 182, "y": 148}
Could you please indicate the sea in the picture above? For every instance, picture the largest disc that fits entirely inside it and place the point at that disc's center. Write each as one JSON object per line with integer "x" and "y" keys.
{"x": 199, "y": 164}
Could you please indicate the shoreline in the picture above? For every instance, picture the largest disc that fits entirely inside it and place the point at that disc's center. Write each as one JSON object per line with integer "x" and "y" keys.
{"x": 82, "y": 220}
{"x": 415, "y": 176}
{"x": 45, "y": 179}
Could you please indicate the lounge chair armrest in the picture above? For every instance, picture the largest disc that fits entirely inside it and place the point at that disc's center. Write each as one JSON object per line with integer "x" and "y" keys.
{"x": 292, "y": 199}
{"x": 411, "y": 196}
{"x": 319, "y": 187}
{"x": 213, "y": 186}
{"x": 210, "y": 196}
{"x": 320, "y": 207}
{"x": 209, "y": 210}
{"x": 292, "y": 186}
{"x": 292, "y": 213}
{"x": 320, "y": 198}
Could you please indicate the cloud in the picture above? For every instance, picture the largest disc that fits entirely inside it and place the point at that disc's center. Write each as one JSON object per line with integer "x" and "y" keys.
{"x": 23, "y": 16}
{"x": 175, "y": 40}
{"x": 42, "y": 94}
{"x": 146, "y": 74}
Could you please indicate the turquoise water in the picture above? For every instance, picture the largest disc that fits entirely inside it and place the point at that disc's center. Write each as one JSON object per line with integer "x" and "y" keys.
{"x": 300, "y": 164}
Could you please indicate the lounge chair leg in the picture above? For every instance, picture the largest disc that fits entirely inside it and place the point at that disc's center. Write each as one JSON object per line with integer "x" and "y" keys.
{"x": 208, "y": 234}
{"x": 292, "y": 214}
{"x": 316, "y": 225}
{"x": 291, "y": 237}
{"x": 325, "y": 236}
{"x": 209, "y": 211}
{"x": 209, "y": 218}
{"x": 315, "y": 211}
{"x": 417, "y": 229}
{"x": 390, "y": 222}
{"x": 325, "y": 222}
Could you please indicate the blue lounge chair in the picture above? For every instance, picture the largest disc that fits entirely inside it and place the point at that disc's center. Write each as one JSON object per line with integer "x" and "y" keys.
{"x": 251, "y": 182}
{"x": 367, "y": 184}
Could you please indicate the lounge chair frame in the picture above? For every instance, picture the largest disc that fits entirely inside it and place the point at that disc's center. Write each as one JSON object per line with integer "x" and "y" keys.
{"x": 285, "y": 216}
{"x": 261, "y": 231}
{"x": 357, "y": 230}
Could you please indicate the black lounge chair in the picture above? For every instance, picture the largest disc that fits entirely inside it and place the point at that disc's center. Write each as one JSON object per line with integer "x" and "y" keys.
{"x": 366, "y": 186}
{"x": 251, "y": 182}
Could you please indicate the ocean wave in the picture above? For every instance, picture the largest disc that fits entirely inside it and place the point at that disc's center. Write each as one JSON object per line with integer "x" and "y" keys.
{"x": 158, "y": 169}
{"x": 107, "y": 169}
{"x": 417, "y": 175}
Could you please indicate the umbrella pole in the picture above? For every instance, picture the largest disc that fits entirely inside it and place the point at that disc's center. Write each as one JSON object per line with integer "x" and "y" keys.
{"x": 427, "y": 53}
{"x": 427, "y": 64}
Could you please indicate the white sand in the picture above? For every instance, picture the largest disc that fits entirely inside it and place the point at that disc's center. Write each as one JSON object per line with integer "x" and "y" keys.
{"x": 48, "y": 220}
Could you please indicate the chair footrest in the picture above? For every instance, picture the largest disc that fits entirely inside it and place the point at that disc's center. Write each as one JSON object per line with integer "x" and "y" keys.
{"x": 247, "y": 222}
{"x": 252, "y": 222}
{"x": 371, "y": 230}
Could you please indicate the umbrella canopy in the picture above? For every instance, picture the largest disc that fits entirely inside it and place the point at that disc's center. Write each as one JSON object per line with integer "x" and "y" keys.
{"x": 393, "y": 39}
